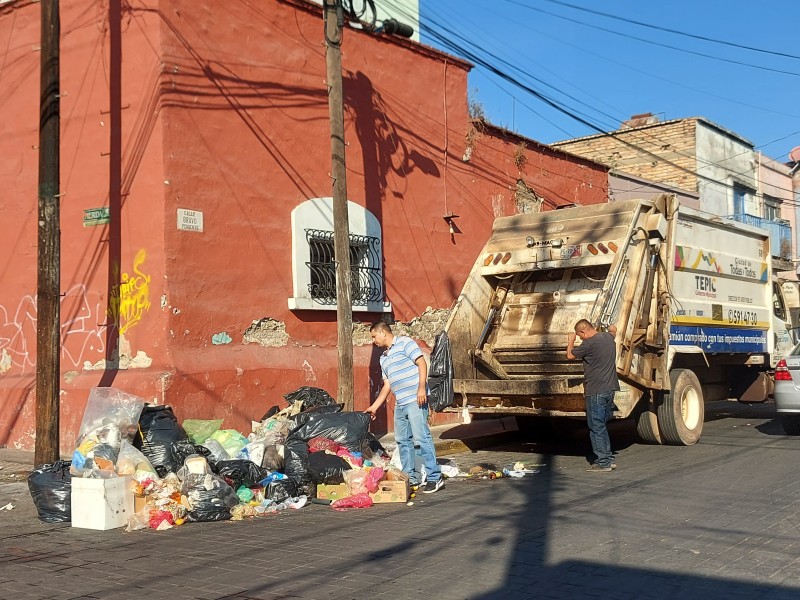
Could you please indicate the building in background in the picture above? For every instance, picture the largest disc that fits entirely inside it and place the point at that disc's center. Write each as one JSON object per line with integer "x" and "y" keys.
{"x": 730, "y": 177}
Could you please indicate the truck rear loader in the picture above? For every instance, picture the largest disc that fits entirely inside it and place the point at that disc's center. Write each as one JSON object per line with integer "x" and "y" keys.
{"x": 698, "y": 315}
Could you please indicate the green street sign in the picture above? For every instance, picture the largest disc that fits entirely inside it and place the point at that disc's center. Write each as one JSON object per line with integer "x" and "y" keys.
{"x": 96, "y": 216}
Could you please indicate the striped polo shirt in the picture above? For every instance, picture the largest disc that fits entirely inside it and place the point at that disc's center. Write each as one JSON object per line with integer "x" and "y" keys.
{"x": 398, "y": 367}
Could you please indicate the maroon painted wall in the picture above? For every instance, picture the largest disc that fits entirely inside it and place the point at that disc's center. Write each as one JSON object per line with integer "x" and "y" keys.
{"x": 222, "y": 108}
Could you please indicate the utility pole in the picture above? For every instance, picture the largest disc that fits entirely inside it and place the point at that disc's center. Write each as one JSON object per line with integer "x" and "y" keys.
{"x": 334, "y": 20}
{"x": 48, "y": 291}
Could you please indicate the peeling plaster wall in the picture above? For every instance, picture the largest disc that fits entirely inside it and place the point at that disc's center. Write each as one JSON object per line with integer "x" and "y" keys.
{"x": 423, "y": 328}
{"x": 266, "y": 332}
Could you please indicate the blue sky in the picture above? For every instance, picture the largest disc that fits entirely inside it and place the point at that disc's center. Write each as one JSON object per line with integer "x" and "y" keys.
{"x": 606, "y": 77}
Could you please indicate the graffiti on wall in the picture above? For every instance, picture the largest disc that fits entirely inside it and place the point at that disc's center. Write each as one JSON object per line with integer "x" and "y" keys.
{"x": 82, "y": 330}
{"x": 130, "y": 300}
{"x": 83, "y": 322}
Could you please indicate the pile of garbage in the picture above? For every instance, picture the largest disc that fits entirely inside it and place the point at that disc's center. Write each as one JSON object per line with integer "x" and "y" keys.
{"x": 197, "y": 471}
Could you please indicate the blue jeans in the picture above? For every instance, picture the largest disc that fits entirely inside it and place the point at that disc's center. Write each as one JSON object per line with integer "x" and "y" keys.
{"x": 599, "y": 409}
{"x": 410, "y": 427}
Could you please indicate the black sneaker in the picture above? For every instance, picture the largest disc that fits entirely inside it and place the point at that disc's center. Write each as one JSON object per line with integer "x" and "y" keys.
{"x": 433, "y": 486}
{"x": 595, "y": 468}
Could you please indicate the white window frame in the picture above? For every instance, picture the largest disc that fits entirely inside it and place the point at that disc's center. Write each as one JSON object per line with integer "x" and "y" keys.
{"x": 317, "y": 213}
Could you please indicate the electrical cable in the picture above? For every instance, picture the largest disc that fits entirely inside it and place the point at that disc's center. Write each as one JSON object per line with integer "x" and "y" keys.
{"x": 675, "y": 31}
{"x": 653, "y": 42}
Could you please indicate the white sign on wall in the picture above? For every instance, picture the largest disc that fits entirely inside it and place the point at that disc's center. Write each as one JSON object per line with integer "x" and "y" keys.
{"x": 190, "y": 220}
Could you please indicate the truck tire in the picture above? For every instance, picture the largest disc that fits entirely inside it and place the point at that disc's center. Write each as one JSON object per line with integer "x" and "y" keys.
{"x": 681, "y": 411}
{"x": 644, "y": 414}
{"x": 791, "y": 423}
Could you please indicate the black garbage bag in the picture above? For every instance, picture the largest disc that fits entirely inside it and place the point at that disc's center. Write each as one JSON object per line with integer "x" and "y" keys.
{"x": 327, "y": 468}
{"x": 241, "y": 472}
{"x": 375, "y": 447}
{"x": 440, "y": 374}
{"x": 212, "y": 504}
{"x": 280, "y": 490}
{"x": 50, "y": 487}
{"x": 347, "y": 429}
{"x": 272, "y": 410}
{"x": 311, "y": 396}
{"x": 158, "y": 429}
{"x": 296, "y": 465}
{"x": 324, "y": 409}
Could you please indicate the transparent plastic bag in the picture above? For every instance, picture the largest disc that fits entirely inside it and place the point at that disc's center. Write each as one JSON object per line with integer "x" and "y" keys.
{"x": 111, "y": 406}
{"x": 217, "y": 451}
{"x": 131, "y": 461}
{"x": 231, "y": 440}
{"x": 199, "y": 430}
{"x": 356, "y": 480}
{"x": 110, "y": 417}
{"x": 254, "y": 451}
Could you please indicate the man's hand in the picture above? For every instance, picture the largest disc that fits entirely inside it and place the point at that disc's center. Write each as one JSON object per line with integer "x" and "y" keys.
{"x": 570, "y": 345}
{"x": 371, "y": 412}
{"x": 422, "y": 398}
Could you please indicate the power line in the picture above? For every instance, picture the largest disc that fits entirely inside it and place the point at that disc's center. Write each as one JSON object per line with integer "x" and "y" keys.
{"x": 575, "y": 115}
{"x": 653, "y": 42}
{"x": 675, "y": 31}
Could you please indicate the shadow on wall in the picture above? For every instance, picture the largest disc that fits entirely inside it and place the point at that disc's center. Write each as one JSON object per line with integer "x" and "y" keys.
{"x": 16, "y": 402}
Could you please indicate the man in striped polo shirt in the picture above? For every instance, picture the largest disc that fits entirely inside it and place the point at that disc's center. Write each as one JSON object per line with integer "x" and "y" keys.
{"x": 405, "y": 374}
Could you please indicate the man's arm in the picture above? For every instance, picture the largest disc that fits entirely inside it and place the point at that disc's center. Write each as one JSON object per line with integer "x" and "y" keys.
{"x": 612, "y": 329}
{"x": 570, "y": 346}
{"x": 422, "y": 391}
{"x": 382, "y": 395}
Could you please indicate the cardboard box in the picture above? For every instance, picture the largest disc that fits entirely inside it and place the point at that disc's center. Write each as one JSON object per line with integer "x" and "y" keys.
{"x": 101, "y": 503}
{"x": 391, "y": 491}
{"x": 388, "y": 491}
{"x": 139, "y": 503}
{"x": 332, "y": 492}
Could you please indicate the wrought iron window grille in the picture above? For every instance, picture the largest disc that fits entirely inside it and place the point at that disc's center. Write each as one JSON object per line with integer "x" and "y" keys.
{"x": 366, "y": 278}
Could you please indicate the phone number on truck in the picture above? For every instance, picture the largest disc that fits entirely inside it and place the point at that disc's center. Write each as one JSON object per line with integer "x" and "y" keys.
{"x": 742, "y": 317}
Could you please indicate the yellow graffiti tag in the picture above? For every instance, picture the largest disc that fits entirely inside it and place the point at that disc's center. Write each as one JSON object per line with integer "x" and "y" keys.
{"x": 131, "y": 298}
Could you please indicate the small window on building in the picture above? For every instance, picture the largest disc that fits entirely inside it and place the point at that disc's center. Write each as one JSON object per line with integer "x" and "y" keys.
{"x": 772, "y": 208}
{"x": 314, "y": 265}
{"x": 739, "y": 197}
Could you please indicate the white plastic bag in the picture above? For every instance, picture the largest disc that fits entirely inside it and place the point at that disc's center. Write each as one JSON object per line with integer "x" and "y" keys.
{"x": 418, "y": 463}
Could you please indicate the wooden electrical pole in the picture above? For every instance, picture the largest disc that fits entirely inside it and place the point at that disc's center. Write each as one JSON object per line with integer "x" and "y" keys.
{"x": 341, "y": 227}
{"x": 48, "y": 291}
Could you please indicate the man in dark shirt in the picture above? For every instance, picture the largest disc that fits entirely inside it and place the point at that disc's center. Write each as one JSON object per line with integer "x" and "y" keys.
{"x": 598, "y": 351}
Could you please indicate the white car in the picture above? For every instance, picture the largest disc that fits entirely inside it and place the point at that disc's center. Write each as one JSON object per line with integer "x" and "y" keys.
{"x": 787, "y": 391}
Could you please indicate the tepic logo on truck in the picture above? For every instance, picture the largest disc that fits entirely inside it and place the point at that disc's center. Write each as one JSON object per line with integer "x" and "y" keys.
{"x": 705, "y": 286}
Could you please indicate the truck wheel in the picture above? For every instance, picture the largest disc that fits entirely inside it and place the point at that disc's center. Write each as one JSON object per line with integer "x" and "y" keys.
{"x": 791, "y": 423}
{"x": 644, "y": 413}
{"x": 681, "y": 410}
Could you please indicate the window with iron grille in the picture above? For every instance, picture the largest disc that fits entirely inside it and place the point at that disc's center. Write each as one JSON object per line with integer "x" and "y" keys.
{"x": 314, "y": 265}
{"x": 365, "y": 270}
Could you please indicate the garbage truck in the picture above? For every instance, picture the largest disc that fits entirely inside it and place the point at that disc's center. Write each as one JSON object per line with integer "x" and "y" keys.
{"x": 699, "y": 316}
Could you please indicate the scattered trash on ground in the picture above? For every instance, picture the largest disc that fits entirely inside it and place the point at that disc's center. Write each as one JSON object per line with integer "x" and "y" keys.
{"x": 136, "y": 466}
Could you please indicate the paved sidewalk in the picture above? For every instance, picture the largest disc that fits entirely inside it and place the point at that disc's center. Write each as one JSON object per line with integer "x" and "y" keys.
{"x": 15, "y": 464}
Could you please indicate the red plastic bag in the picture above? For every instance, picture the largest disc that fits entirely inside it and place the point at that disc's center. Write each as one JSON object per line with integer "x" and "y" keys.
{"x": 373, "y": 477}
{"x": 357, "y": 501}
{"x": 157, "y": 516}
{"x": 321, "y": 444}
